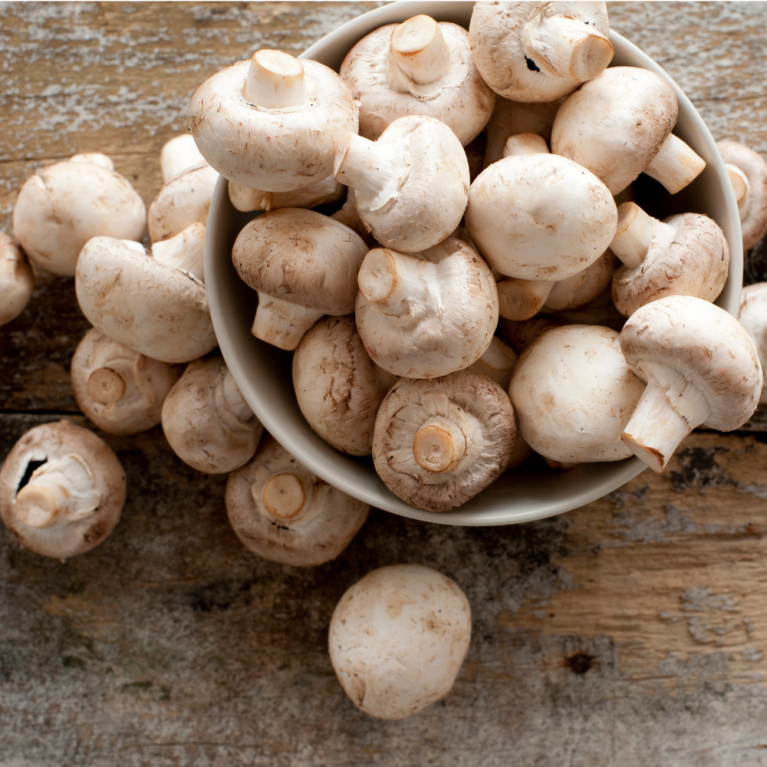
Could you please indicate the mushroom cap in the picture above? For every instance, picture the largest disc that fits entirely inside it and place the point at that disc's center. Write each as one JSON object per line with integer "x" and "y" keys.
{"x": 179, "y": 154}
{"x": 705, "y": 345}
{"x": 753, "y": 317}
{"x": 446, "y": 317}
{"x": 151, "y": 308}
{"x": 314, "y": 522}
{"x": 274, "y": 150}
{"x": 338, "y": 387}
{"x": 398, "y": 638}
{"x": 207, "y": 422}
{"x": 754, "y": 166}
{"x": 460, "y": 98}
{"x": 466, "y": 402}
{"x": 303, "y": 257}
{"x": 540, "y": 217}
{"x": 183, "y": 200}
{"x": 584, "y": 287}
{"x": 62, "y": 206}
{"x": 16, "y": 279}
{"x": 615, "y": 124}
{"x": 503, "y": 41}
{"x": 695, "y": 262}
{"x": 146, "y": 382}
{"x": 574, "y": 394}
{"x": 44, "y": 445}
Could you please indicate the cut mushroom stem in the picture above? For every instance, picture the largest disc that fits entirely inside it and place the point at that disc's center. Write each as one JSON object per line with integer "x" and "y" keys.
{"x": 522, "y": 299}
{"x": 285, "y": 497}
{"x": 373, "y": 168}
{"x": 525, "y": 143}
{"x": 184, "y": 251}
{"x": 281, "y": 323}
{"x": 739, "y": 182}
{"x": 636, "y": 232}
{"x": 275, "y": 80}
{"x": 439, "y": 446}
{"x": 418, "y": 53}
{"x": 566, "y": 47}
{"x": 676, "y": 165}
{"x": 106, "y": 386}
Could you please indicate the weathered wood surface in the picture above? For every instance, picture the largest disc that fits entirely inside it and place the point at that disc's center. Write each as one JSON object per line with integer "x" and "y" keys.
{"x": 632, "y": 631}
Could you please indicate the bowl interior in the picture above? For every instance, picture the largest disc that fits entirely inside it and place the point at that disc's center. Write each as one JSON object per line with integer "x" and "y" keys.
{"x": 263, "y": 372}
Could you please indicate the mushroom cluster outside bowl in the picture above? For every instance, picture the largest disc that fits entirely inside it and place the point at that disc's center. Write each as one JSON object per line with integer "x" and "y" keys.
{"x": 263, "y": 372}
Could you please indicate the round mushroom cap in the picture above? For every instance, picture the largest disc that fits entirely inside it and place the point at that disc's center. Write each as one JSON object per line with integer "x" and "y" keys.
{"x": 690, "y": 259}
{"x": 154, "y": 309}
{"x": 753, "y": 317}
{"x": 73, "y": 465}
{"x": 303, "y": 257}
{"x": 437, "y": 443}
{"x": 64, "y": 205}
{"x": 753, "y": 220}
{"x": 183, "y": 200}
{"x": 17, "y": 280}
{"x": 206, "y": 420}
{"x": 284, "y": 513}
{"x": 574, "y": 394}
{"x": 117, "y": 388}
{"x": 276, "y": 150}
{"x": 704, "y": 344}
{"x": 338, "y": 387}
{"x": 540, "y": 217}
{"x": 459, "y": 98}
{"x": 398, "y": 638}
{"x": 615, "y": 124}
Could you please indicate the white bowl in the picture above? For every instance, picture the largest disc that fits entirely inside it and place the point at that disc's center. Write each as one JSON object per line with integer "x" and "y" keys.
{"x": 263, "y": 372}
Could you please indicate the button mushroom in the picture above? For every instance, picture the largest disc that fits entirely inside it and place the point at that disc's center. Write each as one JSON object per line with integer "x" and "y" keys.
{"x": 753, "y": 317}
{"x": 395, "y": 179}
{"x": 338, "y": 386}
{"x": 273, "y": 122}
{"x": 284, "y": 513}
{"x": 153, "y": 309}
{"x": 701, "y": 367}
{"x": 184, "y": 251}
{"x": 179, "y": 155}
{"x": 322, "y": 192}
{"x": 497, "y": 362}
{"x": 619, "y": 125}
{"x": 63, "y": 205}
{"x": 427, "y": 314}
{"x": 61, "y": 490}
{"x": 16, "y": 279}
{"x": 437, "y": 443}
{"x": 303, "y": 265}
{"x": 398, "y": 638}
{"x": 206, "y": 420}
{"x": 419, "y": 67}
{"x": 118, "y": 389}
{"x": 683, "y": 255}
{"x": 539, "y": 51}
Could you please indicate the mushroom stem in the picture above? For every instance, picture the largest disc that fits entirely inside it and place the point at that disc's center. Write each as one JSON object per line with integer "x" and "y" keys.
{"x": 566, "y": 47}
{"x": 418, "y": 54}
{"x": 637, "y": 232}
{"x": 184, "y": 251}
{"x": 232, "y": 397}
{"x": 376, "y": 171}
{"x": 740, "y": 186}
{"x": 106, "y": 386}
{"x": 393, "y": 282}
{"x": 522, "y": 299}
{"x": 439, "y": 445}
{"x": 666, "y": 413}
{"x": 275, "y": 80}
{"x": 282, "y": 323}
{"x": 178, "y": 155}
{"x": 525, "y": 143}
{"x": 676, "y": 165}
{"x": 284, "y": 497}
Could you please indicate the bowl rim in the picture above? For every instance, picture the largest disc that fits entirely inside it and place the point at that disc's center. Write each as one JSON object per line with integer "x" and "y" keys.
{"x": 309, "y": 452}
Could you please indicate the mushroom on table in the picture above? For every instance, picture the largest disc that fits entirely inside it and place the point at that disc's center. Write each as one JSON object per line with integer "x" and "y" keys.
{"x": 16, "y": 279}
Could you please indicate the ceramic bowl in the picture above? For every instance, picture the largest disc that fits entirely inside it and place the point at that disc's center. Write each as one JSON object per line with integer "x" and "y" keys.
{"x": 263, "y": 372}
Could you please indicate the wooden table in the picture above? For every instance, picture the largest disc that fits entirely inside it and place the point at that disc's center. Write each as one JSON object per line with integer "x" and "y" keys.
{"x": 632, "y": 631}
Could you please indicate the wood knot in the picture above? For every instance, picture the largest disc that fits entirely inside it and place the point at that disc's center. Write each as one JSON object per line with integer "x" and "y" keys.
{"x": 579, "y": 663}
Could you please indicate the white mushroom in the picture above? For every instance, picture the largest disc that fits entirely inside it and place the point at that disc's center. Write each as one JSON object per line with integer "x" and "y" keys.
{"x": 284, "y": 513}
{"x": 184, "y": 251}
{"x": 61, "y": 490}
{"x": 16, "y": 279}
{"x": 64, "y": 205}
{"x": 118, "y": 389}
{"x": 395, "y": 179}
{"x": 179, "y": 155}
{"x": 701, "y": 367}
{"x": 753, "y": 317}
{"x": 398, "y": 638}
{"x": 419, "y": 67}
{"x": 427, "y": 314}
{"x": 497, "y": 362}
{"x": 206, "y": 420}
{"x": 322, "y": 192}
{"x": 539, "y": 51}
{"x": 273, "y": 122}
